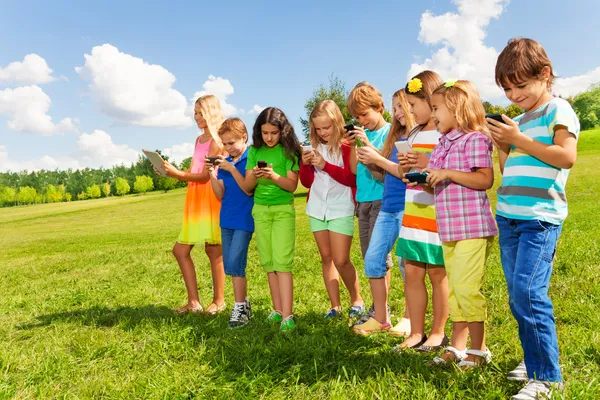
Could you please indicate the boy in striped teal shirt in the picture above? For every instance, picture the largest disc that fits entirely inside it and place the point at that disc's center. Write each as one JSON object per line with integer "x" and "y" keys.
{"x": 536, "y": 151}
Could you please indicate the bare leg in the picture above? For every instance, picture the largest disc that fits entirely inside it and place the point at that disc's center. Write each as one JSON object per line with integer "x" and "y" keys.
{"x": 286, "y": 292}
{"x": 439, "y": 297}
{"x": 330, "y": 274}
{"x": 416, "y": 300}
{"x": 182, "y": 253}
{"x": 379, "y": 291}
{"x": 215, "y": 255}
{"x": 240, "y": 288}
{"x": 340, "y": 248}
{"x": 274, "y": 288}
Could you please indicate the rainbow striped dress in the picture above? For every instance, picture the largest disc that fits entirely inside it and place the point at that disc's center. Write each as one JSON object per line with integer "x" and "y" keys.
{"x": 202, "y": 208}
{"x": 419, "y": 239}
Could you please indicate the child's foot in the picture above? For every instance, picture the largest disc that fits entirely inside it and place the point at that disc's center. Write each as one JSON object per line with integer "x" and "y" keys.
{"x": 189, "y": 307}
{"x": 412, "y": 341}
{"x": 214, "y": 308}
{"x": 519, "y": 373}
{"x": 451, "y": 356}
{"x": 275, "y": 316}
{"x": 240, "y": 315}
{"x": 476, "y": 358}
{"x": 333, "y": 313}
{"x": 402, "y": 329}
{"x": 370, "y": 327}
{"x": 287, "y": 324}
{"x": 356, "y": 311}
{"x": 434, "y": 343}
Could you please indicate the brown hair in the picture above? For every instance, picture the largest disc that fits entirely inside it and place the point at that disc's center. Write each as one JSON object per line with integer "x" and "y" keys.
{"x": 329, "y": 109}
{"x": 363, "y": 96}
{"x": 522, "y": 59}
{"x": 462, "y": 100}
{"x": 430, "y": 80}
{"x": 398, "y": 130}
{"x": 234, "y": 126}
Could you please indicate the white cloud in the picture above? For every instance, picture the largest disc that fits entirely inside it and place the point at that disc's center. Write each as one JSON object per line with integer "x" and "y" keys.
{"x": 256, "y": 109}
{"x": 94, "y": 150}
{"x": 27, "y": 110}
{"x": 133, "y": 91}
{"x": 221, "y": 88}
{"x": 179, "y": 152}
{"x": 33, "y": 69}
{"x": 576, "y": 84}
{"x": 463, "y": 54}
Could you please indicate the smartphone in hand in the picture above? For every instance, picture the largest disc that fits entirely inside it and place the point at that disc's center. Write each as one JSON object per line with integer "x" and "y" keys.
{"x": 496, "y": 117}
{"x": 418, "y": 177}
{"x": 261, "y": 164}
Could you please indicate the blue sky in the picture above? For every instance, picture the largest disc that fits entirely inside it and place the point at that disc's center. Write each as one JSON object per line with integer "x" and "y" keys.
{"x": 258, "y": 54}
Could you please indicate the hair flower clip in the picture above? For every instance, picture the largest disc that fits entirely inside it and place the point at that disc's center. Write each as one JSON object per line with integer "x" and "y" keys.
{"x": 450, "y": 82}
{"x": 414, "y": 85}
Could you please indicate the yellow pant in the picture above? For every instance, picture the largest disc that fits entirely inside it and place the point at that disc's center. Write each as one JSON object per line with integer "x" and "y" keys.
{"x": 465, "y": 267}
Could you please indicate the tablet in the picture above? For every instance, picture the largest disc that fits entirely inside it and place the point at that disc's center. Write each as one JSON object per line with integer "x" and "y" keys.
{"x": 156, "y": 160}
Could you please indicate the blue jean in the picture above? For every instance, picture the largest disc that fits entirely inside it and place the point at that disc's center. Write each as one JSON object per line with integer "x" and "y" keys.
{"x": 235, "y": 244}
{"x": 527, "y": 248}
{"x": 384, "y": 236}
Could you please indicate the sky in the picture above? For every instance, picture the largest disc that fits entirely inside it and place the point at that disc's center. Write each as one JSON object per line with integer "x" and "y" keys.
{"x": 89, "y": 84}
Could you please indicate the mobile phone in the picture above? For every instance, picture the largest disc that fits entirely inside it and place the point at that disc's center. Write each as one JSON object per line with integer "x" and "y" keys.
{"x": 495, "y": 117}
{"x": 349, "y": 128}
{"x": 307, "y": 147}
{"x": 402, "y": 146}
{"x": 261, "y": 164}
{"x": 213, "y": 160}
{"x": 419, "y": 177}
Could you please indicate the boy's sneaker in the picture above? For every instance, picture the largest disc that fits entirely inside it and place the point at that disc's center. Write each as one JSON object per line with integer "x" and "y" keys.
{"x": 519, "y": 373}
{"x": 370, "y": 327}
{"x": 356, "y": 311}
{"x": 538, "y": 390}
{"x": 240, "y": 316}
{"x": 288, "y": 324}
{"x": 275, "y": 316}
{"x": 333, "y": 313}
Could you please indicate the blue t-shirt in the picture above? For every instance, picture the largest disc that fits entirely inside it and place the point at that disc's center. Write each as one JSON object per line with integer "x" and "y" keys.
{"x": 394, "y": 190}
{"x": 236, "y": 206}
{"x": 367, "y": 187}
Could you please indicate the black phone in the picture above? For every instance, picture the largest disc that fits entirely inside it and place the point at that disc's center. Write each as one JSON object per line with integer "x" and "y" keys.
{"x": 419, "y": 177}
{"x": 261, "y": 164}
{"x": 213, "y": 160}
{"x": 495, "y": 117}
{"x": 349, "y": 127}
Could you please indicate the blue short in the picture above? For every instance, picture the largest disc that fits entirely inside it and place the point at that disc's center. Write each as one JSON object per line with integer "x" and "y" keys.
{"x": 384, "y": 236}
{"x": 235, "y": 251}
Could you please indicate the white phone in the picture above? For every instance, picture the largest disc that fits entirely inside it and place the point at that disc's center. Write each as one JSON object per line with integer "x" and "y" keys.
{"x": 402, "y": 146}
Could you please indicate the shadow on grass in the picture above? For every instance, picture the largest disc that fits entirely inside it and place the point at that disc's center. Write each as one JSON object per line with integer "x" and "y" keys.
{"x": 316, "y": 352}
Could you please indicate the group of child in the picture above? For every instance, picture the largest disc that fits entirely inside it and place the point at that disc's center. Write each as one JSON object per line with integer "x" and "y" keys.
{"x": 442, "y": 227}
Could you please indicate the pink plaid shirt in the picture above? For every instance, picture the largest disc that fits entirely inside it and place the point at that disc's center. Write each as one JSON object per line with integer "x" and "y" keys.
{"x": 462, "y": 213}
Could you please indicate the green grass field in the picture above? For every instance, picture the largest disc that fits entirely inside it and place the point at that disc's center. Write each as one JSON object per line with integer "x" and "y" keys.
{"x": 87, "y": 290}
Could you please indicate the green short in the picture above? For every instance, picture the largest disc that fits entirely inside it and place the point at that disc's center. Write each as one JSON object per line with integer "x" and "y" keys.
{"x": 343, "y": 225}
{"x": 275, "y": 232}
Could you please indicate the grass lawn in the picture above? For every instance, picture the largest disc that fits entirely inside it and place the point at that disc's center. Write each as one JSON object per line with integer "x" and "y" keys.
{"x": 88, "y": 287}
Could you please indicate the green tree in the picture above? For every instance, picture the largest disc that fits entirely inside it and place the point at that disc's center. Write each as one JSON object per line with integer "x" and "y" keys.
{"x": 106, "y": 189}
{"x": 122, "y": 186}
{"x": 336, "y": 91}
{"x": 165, "y": 183}
{"x": 68, "y": 196}
{"x": 93, "y": 192}
{"x": 53, "y": 194}
{"x": 7, "y": 196}
{"x": 587, "y": 107}
{"x": 26, "y": 195}
{"x": 186, "y": 164}
{"x": 81, "y": 196}
{"x": 143, "y": 184}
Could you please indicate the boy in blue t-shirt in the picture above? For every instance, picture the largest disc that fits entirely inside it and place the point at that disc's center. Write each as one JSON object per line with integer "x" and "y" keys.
{"x": 236, "y": 220}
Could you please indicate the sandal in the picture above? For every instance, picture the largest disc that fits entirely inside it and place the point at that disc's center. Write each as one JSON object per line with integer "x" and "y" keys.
{"x": 187, "y": 309}
{"x": 399, "y": 349}
{"x": 213, "y": 308}
{"x": 483, "y": 358}
{"x": 428, "y": 349}
{"x": 454, "y": 357}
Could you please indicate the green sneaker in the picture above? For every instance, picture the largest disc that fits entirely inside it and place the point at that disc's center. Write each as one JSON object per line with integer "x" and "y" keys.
{"x": 288, "y": 324}
{"x": 275, "y": 316}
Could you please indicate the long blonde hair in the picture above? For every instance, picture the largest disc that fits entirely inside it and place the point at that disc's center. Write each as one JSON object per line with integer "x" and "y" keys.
{"x": 329, "y": 109}
{"x": 212, "y": 113}
{"x": 462, "y": 99}
{"x": 398, "y": 130}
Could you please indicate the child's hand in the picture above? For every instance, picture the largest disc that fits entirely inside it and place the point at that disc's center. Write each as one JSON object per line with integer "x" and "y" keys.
{"x": 267, "y": 173}
{"x": 351, "y": 135}
{"x": 409, "y": 183}
{"x": 225, "y": 165}
{"x": 170, "y": 170}
{"x": 258, "y": 172}
{"x": 317, "y": 160}
{"x": 212, "y": 171}
{"x": 506, "y": 134}
{"x": 416, "y": 159}
{"x": 367, "y": 155}
{"x": 435, "y": 176}
{"x": 307, "y": 156}
{"x": 363, "y": 138}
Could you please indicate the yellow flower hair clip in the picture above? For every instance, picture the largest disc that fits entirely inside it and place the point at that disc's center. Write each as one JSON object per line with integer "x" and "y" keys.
{"x": 414, "y": 85}
{"x": 450, "y": 82}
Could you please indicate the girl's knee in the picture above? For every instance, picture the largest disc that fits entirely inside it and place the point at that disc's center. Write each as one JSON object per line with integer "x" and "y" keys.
{"x": 436, "y": 274}
{"x": 181, "y": 251}
{"x": 213, "y": 251}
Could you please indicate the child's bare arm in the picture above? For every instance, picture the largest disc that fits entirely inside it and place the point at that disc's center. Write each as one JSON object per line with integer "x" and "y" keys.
{"x": 480, "y": 179}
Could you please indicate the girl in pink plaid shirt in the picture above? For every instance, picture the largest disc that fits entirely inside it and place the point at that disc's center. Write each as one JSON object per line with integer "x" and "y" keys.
{"x": 459, "y": 173}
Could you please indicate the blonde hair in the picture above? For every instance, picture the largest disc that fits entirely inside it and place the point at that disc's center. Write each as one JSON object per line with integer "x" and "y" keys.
{"x": 462, "y": 99}
{"x": 212, "y": 113}
{"x": 235, "y": 126}
{"x": 364, "y": 96}
{"x": 397, "y": 130}
{"x": 329, "y": 109}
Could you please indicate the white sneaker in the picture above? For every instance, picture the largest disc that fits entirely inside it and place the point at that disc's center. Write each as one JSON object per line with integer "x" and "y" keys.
{"x": 537, "y": 390}
{"x": 519, "y": 373}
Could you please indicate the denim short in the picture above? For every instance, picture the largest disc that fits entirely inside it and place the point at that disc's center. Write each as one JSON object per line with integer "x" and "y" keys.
{"x": 384, "y": 236}
{"x": 235, "y": 251}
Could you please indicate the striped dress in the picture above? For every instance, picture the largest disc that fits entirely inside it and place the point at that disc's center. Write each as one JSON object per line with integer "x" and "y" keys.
{"x": 419, "y": 239}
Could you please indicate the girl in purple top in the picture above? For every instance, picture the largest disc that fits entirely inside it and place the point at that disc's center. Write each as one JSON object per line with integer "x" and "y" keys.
{"x": 460, "y": 171}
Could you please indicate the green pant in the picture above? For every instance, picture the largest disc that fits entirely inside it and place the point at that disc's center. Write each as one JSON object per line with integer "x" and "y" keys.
{"x": 275, "y": 230}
